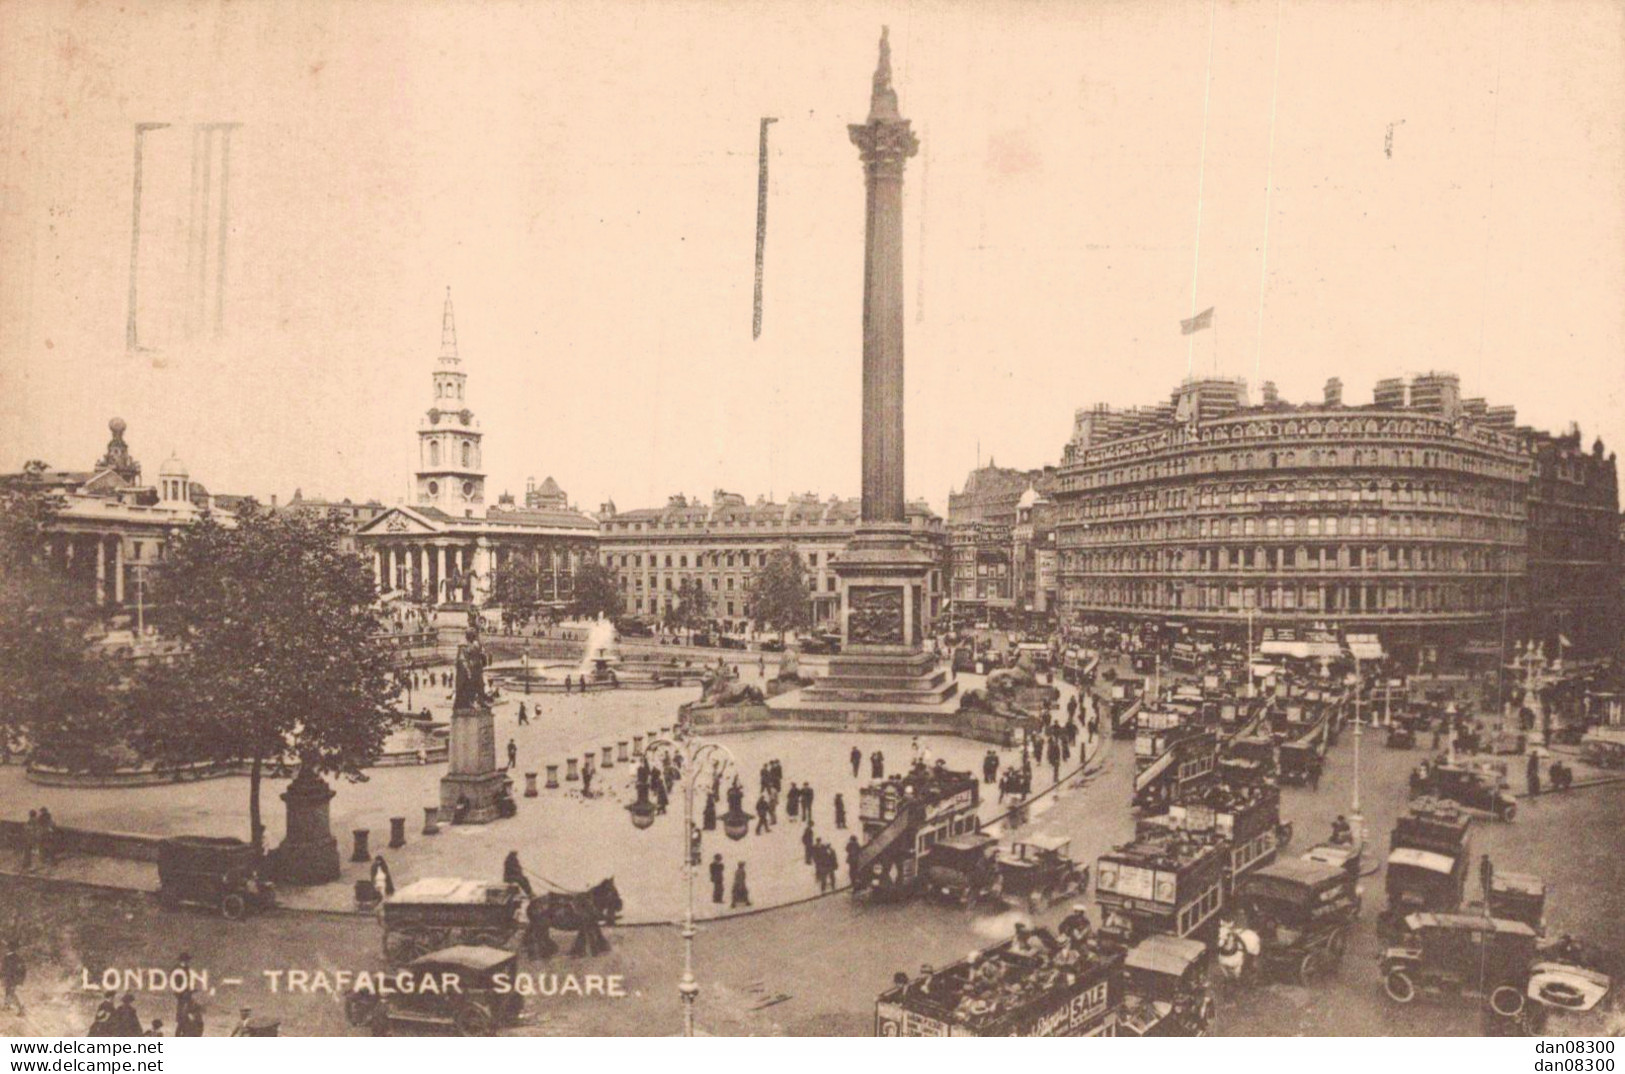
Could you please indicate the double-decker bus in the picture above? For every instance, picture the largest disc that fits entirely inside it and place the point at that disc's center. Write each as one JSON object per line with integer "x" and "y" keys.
{"x": 1171, "y": 883}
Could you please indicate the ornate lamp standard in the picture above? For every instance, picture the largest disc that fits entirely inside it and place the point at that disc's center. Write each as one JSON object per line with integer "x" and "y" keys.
{"x": 1357, "y": 818}
{"x": 735, "y": 823}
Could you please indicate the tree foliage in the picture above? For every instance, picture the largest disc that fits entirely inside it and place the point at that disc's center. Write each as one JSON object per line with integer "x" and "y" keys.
{"x": 779, "y": 595}
{"x": 597, "y": 592}
{"x": 516, "y": 585}
{"x": 279, "y": 623}
{"x": 692, "y": 608}
{"x": 57, "y": 692}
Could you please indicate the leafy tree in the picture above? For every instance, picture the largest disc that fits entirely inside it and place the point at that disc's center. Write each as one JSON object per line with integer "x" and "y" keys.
{"x": 779, "y": 595}
{"x": 693, "y": 607}
{"x": 516, "y": 585}
{"x": 597, "y": 591}
{"x": 56, "y": 691}
{"x": 279, "y": 623}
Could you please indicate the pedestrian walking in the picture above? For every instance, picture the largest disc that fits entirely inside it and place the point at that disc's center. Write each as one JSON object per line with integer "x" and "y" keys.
{"x": 854, "y": 850}
{"x": 514, "y": 873}
{"x": 513, "y": 753}
{"x": 792, "y": 801}
{"x": 587, "y": 772}
{"x": 13, "y": 972}
{"x": 710, "y": 815}
{"x": 1532, "y": 774}
{"x": 523, "y": 719}
{"x": 877, "y": 765}
{"x": 806, "y": 802}
{"x": 741, "y": 889}
{"x": 719, "y": 873}
{"x": 47, "y": 836}
{"x": 126, "y": 1022}
{"x": 857, "y": 761}
{"x": 762, "y": 825}
{"x": 382, "y": 882}
{"x": 30, "y": 839}
{"x": 840, "y": 812}
{"x": 807, "y": 845}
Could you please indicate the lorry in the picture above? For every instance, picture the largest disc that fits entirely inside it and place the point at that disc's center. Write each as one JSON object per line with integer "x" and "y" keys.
{"x": 1429, "y": 856}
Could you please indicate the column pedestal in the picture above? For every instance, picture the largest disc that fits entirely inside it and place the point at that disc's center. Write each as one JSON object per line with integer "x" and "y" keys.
{"x": 882, "y": 663}
{"x": 472, "y": 772}
{"x": 309, "y": 854}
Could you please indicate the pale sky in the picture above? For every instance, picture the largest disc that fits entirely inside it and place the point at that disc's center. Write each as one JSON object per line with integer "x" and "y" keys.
{"x": 584, "y": 177}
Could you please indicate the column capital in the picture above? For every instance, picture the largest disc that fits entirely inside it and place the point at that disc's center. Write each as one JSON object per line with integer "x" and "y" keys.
{"x": 884, "y": 146}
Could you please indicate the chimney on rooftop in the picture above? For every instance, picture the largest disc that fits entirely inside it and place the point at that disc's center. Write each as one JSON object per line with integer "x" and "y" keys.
{"x": 1271, "y": 396}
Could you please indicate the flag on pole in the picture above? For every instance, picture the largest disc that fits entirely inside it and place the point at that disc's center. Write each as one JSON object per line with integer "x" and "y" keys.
{"x": 1196, "y": 324}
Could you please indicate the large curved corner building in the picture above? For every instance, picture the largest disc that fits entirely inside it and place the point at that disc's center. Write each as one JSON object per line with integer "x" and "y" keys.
{"x": 1428, "y": 520}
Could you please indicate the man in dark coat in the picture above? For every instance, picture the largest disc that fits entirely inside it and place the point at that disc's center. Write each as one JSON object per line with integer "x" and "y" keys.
{"x": 1486, "y": 876}
{"x": 806, "y": 802}
{"x": 840, "y": 812}
{"x": 853, "y": 849}
{"x": 1532, "y": 774}
{"x": 857, "y": 761}
{"x": 807, "y": 844}
{"x": 126, "y": 1022}
{"x": 792, "y": 800}
{"x": 741, "y": 889}
{"x": 719, "y": 873}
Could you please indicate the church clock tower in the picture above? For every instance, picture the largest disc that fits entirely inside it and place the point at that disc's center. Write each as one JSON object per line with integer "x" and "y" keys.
{"x": 450, "y": 473}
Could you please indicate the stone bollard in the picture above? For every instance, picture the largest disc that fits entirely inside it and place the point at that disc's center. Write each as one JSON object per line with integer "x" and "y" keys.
{"x": 587, "y": 761}
{"x": 570, "y": 772}
{"x": 621, "y": 752}
{"x": 552, "y": 777}
{"x": 637, "y": 745}
{"x": 530, "y": 785}
{"x": 360, "y": 851}
{"x": 397, "y": 832}
{"x": 609, "y": 757}
{"x": 431, "y": 820}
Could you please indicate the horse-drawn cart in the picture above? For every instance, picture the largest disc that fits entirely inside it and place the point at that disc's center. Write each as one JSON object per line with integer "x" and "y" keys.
{"x": 436, "y": 912}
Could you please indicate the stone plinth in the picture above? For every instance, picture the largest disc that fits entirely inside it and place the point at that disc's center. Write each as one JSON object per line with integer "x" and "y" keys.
{"x": 473, "y": 771}
{"x": 309, "y": 853}
{"x": 883, "y": 575}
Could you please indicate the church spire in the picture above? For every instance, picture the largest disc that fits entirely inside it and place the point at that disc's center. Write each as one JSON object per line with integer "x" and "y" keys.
{"x": 448, "y": 332}
{"x": 883, "y": 101}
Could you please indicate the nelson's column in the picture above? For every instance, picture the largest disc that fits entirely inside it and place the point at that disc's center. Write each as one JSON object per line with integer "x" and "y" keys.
{"x": 883, "y": 572}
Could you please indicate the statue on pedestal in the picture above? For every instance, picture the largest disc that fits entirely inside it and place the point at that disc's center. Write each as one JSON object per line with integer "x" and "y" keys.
{"x": 469, "y": 689}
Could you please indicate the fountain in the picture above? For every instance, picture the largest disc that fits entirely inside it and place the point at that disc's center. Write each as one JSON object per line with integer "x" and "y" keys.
{"x": 599, "y": 668}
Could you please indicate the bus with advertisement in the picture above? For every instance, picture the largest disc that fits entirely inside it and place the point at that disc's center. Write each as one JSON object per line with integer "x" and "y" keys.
{"x": 1170, "y": 882}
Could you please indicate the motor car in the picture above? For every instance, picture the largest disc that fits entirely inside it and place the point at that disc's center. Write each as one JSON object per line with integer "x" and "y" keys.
{"x": 962, "y": 868}
{"x": 1039, "y": 869}
{"x": 1302, "y": 911}
{"x": 219, "y": 872}
{"x": 630, "y": 626}
{"x": 1165, "y": 989}
{"x": 1461, "y": 955}
{"x": 466, "y": 988}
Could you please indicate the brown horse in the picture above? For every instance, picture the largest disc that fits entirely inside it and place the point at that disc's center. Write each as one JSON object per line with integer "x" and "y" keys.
{"x": 581, "y": 912}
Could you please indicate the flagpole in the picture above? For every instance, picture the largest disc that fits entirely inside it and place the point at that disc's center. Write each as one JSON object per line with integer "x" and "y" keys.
{"x": 1201, "y": 175}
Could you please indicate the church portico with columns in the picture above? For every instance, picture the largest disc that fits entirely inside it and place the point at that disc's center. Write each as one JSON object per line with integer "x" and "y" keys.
{"x": 428, "y": 556}
{"x": 446, "y": 546}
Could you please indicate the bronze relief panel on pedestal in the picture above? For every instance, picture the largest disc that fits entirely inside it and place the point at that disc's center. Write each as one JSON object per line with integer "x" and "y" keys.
{"x": 875, "y": 615}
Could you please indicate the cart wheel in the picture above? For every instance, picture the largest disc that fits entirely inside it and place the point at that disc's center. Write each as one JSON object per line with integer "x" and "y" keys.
{"x": 1399, "y": 986}
{"x": 1311, "y": 966}
{"x": 1507, "y": 812}
{"x": 1336, "y": 944}
{"x": 473, "y": 1020}
{"x": 359, "y": 1008}
{"x": 1507, "y": 1000}
{"x": 233, "y": 907}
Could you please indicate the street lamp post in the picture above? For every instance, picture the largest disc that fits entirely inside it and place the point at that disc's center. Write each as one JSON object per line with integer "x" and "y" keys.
{"x": 688, "y": 988}
{"x": 1357, "y": 817}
